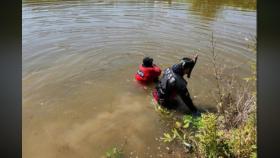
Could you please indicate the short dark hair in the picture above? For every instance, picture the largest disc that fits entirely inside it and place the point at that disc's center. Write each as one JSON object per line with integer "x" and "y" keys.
{"x": 147, "y": 62}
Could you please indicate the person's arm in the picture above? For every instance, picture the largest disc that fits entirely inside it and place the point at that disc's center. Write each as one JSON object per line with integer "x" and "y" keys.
{"x": 185, "y": 95}
{"x": 157, "y": 70}
{"x": 156, "y": 73}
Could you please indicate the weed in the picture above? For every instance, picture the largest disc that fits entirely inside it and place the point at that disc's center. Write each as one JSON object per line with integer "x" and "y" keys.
{"x": 114, "y": 153}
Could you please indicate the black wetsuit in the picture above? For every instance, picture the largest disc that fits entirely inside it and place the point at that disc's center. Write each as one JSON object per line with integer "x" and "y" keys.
{"x": 171, "y": 84}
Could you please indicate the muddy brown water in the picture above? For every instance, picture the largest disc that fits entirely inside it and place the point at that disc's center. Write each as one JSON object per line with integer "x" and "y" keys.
{"x": 79, "y": 60}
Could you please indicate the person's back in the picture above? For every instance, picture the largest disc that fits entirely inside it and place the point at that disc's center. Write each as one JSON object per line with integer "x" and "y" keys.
{"x": 172, "y": 84}
{"x": 147, "y": 72}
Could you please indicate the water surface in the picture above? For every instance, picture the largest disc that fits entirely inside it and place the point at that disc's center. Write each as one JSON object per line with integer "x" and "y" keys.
{"x": 79, "y": 60}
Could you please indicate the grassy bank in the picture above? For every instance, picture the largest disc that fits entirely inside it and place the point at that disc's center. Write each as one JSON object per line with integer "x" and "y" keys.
{"x": 228, "y": 132}
{"x": 231, "y": 130}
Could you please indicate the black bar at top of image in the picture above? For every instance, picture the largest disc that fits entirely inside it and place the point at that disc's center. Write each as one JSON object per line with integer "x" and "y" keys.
{"x": 268, "y": 70}
{"x": 10, "y": 79}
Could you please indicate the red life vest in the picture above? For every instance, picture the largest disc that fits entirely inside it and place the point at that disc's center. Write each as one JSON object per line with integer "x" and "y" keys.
{"x": 147, "y": 74}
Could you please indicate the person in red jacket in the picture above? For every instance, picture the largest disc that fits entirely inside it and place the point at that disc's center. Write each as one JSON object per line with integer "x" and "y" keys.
{"x": 147, "y": 72}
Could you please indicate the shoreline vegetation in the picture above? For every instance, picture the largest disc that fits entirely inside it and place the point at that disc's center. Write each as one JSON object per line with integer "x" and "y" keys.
{"x": 228, "y": 132}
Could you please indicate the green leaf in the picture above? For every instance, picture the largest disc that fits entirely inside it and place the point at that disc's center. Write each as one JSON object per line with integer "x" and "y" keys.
{"x": 167, "y": 137}
{"x": 178, "y": 124}
{"x": 186, "y": 125}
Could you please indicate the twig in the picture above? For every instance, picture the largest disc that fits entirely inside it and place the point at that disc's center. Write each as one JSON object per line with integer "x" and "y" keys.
{"x": 216, "y": 71}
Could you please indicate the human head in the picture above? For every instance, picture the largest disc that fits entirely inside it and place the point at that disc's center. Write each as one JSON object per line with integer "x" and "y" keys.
{"x": 147, "y": 62}
{"x": 187, "y": 65}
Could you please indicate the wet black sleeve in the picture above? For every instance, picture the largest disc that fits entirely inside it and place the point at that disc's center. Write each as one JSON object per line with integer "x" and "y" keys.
{"x": 184, "y": 94}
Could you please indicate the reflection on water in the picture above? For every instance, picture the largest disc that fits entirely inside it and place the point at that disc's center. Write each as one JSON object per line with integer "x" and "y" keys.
{"x": 79, "y": 60}
{"x": 210, "y": 8}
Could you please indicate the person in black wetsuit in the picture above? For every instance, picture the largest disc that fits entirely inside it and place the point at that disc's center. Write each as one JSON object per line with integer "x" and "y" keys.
{"x": 173, "y": 85}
